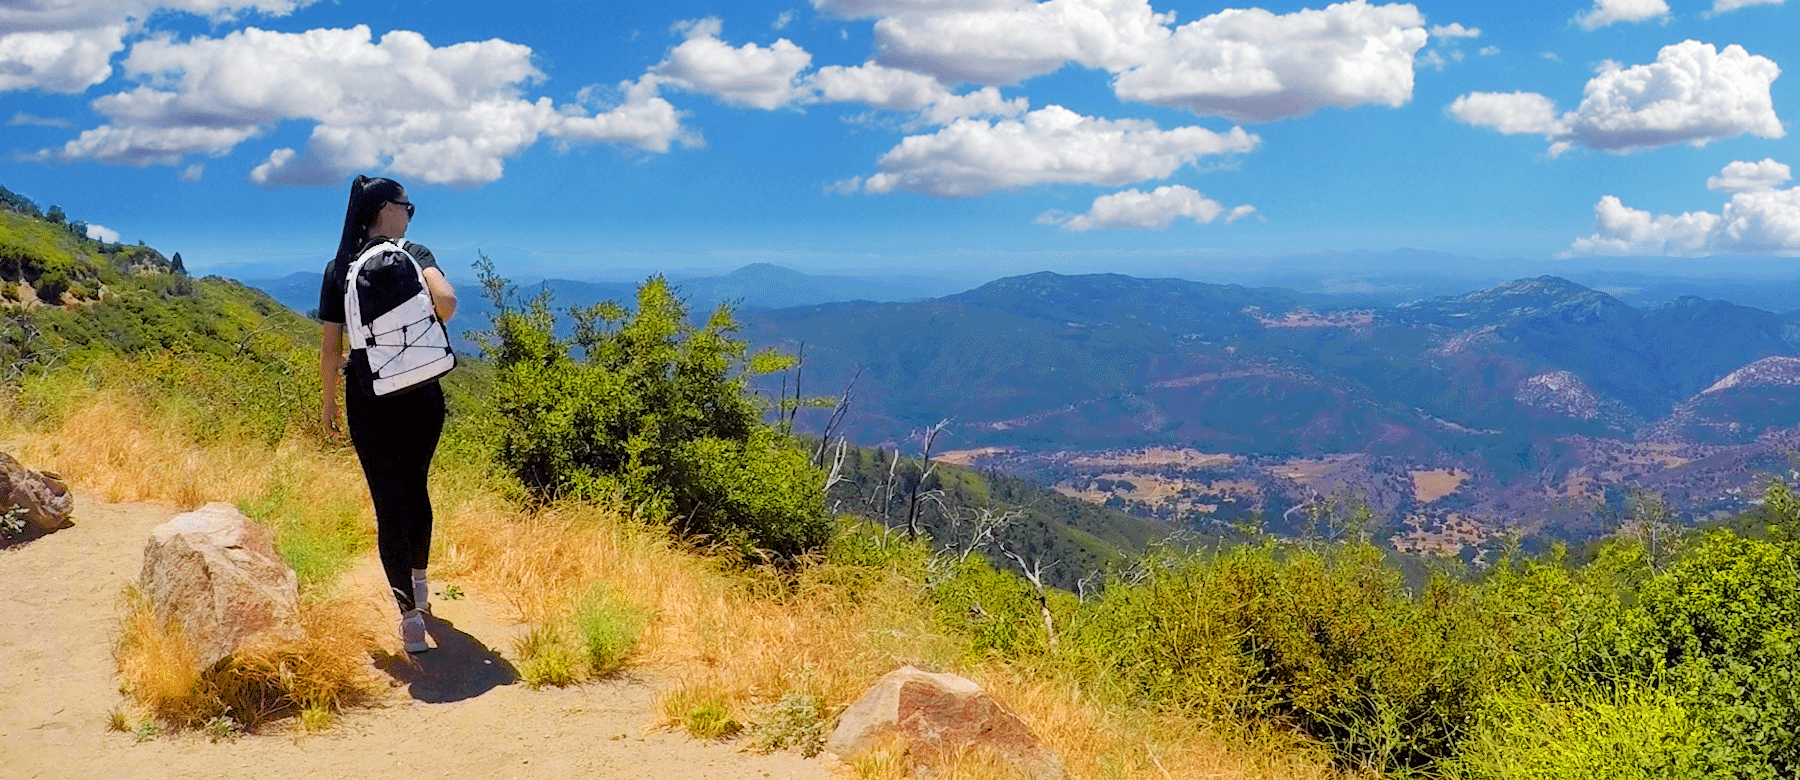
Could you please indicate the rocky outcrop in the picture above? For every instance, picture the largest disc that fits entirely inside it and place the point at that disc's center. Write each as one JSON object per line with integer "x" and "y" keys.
{"x": 937, "y": 715}
{"x": 1739, "y": 408}
{"x": 217, "y": 576}
{"x": 1775, "y": 371}
{"x": 39, "y": 497}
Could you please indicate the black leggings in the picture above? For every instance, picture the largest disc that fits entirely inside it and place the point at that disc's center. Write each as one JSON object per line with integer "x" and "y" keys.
{"x": 395, "y": 437}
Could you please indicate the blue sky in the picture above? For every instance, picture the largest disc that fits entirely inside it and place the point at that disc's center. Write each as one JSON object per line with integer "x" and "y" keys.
{"x": 597, "y": 139}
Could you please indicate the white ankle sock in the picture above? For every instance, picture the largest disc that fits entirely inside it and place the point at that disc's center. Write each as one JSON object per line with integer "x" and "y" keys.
{"x": 421, "y": 591}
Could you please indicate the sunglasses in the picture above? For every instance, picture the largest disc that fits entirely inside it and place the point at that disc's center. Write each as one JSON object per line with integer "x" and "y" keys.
{"x": 407, "y": 204}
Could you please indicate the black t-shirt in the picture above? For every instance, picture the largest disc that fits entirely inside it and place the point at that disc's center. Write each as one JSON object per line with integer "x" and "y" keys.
{"x": 331, "y": 288}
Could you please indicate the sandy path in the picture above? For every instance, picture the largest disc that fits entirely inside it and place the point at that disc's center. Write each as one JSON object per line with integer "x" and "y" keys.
{"x": 458, "y": 714}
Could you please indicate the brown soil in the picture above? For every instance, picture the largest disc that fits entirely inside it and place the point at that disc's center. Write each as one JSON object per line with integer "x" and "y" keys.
{"x": 457, "y": 713}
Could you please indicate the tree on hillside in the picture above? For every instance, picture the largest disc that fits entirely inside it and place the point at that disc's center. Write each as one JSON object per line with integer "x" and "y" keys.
{"x": 56, "y": 216}
{"x": 646, "y": 406}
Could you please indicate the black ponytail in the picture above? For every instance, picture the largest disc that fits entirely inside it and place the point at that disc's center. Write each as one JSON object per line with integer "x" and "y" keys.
{"x": 367, "y": 196}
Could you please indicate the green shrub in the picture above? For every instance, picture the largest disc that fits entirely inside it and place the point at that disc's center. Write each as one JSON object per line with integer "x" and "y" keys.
{"x": 711, "y": 720}
{"x": 609, "y": 628}
{"x": 996, "y": 610}
{"x": 1720, "y": 626}
{"x": 1631, "y": 733}
{"x": 654, "y": 410}
{"x": 1327, "y": 640}
{"x": 545, "y": 658}
{"x": 796, "y": 721}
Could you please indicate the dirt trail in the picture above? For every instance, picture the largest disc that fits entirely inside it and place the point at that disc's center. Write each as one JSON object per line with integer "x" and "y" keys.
{"x": 458, "y": 714}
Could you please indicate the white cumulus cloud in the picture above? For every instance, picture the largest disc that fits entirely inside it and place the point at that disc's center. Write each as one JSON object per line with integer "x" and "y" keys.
{"x": 1693, "y": 93}
{"x": 62, "y": 46}
{"x": 1758, "y": 220}
{"x": 1247, "y": 65}
{"x": 1154, "y": 210}
{"x": 749, "y": 75}
{"x": 1509, "y": 112}
{"x": 1607, "y": 12}
{"x": 449, "y": 115}
{"x": 1007, "y": 43}
{"x": 59, "y": 61}
{"x": 1250, "y": 65}
{"x": 1454, "y": 30}
{"x": 857, "y": 9}
{"x": 642, "y": 119}
{"x": 892, "y": 89}
{"x": 1051, "y": 145}
{"x": 1750, "y": 176}
{"x": 102, "y": 233}
{"x": 1721, "y": 6}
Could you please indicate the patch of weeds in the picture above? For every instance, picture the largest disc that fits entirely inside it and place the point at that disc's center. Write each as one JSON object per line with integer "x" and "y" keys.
{"x": 795, "y": 722}
{"x": 222, "y": 727}
{"x": 711, "y": 720}
{"x": 609, "y": 628}
{"x": 315, "y": 719}
{"x": 545, "y": 659}
{"x": 116, "y": 720}
{"x": 146, "y": 731}
{"x": 12, "y": 522}
{"x": 452, "y": 593}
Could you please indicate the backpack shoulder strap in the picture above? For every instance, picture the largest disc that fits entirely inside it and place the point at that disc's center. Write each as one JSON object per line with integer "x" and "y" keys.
{"x": 358, "y": 330}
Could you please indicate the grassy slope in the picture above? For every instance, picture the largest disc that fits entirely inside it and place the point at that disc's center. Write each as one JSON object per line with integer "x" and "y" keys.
{"x": 161, "y": 388}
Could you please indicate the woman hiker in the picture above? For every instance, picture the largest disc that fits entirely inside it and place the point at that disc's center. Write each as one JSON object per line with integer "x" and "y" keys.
{"x": 394, "y": 435}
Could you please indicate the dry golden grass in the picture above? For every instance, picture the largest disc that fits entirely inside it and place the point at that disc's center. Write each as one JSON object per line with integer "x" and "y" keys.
{"x": 325, "y": 672}
{"x": 1429, "y": 486}
{"x": 715, "y": 636}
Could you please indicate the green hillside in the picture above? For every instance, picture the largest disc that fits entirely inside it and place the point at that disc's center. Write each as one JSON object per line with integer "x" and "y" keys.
{"x": 1072, "y": 538}
{"x": 63, "y": 294}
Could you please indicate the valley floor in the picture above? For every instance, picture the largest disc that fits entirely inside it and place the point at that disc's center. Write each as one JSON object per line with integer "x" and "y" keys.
{"x": 457, "y": 713}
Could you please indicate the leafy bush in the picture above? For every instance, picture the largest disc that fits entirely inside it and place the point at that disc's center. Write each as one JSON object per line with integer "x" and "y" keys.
{"x": 1720, "y": 626}
{"x": 1327, "y": 640}
{"x": 1632, "y": 733}
{"x": 654, "y": 410}
{"x": 996, "y": 610}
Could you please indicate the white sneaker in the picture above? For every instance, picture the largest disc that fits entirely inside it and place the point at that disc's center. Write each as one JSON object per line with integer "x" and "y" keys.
{"x": 421, "y": 592}
{"x": 412, "y": 631}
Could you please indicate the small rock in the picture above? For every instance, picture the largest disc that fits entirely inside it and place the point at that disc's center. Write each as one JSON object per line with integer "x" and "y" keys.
{"x": 218, "y": 576}
{"x": 936, "y": 715}
{"x": 42, "y": 495}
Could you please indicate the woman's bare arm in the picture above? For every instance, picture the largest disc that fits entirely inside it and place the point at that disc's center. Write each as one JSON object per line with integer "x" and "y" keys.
{"x": 443, "y": 296}
{"x": 331, "y": 361}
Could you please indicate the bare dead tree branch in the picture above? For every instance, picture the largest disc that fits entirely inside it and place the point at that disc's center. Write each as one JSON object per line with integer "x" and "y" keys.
{"x": 885, "y": 494}
{"x": 1034, "y": 572}
{"x": 979, "y": 532}
{"x": 787, "y": 425}
{"x": 1082, "y": 585}
{"x": 836, "y": 474}
{"x": 837, "y": 417}
{"x": 927, "y": 468}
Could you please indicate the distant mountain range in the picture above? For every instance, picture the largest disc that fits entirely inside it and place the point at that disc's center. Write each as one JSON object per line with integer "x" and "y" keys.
{"x": 756, "y": 286}
{"x": 1512, "y": 387}
{"x": 1543, "y": 402}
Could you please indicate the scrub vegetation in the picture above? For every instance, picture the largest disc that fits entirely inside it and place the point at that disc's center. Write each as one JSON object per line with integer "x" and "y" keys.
{"x": 642, "y": 512}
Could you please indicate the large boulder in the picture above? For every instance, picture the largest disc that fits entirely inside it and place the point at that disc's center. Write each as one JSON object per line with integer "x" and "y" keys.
{"x": 936, "y": 715}
{"x": 41, "y": 496}
{"x": 216, "y": 575}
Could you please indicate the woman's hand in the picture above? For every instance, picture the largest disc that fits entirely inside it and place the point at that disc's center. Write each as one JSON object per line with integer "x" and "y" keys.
{"x": 331, "y": 365}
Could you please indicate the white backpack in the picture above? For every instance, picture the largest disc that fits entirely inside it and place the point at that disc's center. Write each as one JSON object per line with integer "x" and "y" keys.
{"x": 405, "y": 341}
